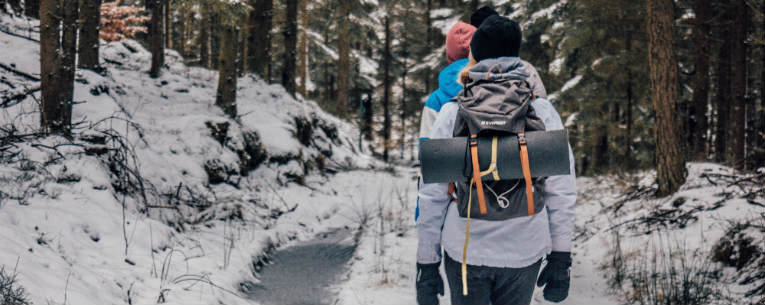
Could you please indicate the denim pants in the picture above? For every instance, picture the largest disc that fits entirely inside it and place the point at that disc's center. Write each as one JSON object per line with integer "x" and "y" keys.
{"x": 491, "y": 285}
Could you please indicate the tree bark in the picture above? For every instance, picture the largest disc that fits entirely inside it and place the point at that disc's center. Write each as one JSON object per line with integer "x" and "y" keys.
{"x": 760, "y": 159}
{"x": 32, "y": 8}
{"x": 670, "y": 159}
{"x": 701, "y": 80}
{"x": 737, "y": 122}
{"x": 58, "y": 46}
{"x": 343, "y": 58}
{"x": 204, "y": 36}
{"x": 428, "y": 42}
{"x": 259, "y": 23}
{"x": 386, "y": 90}
{"x": 51, "y": 117}
{"x": 723, "y": 84}
{"x": 157, "y": 37}
{"x": 87, "y": 49}
{"x": 167, "y": 22}
{"x": 227, "y": 73}
{"x": 303, "y": 43}
{"x": 290, "y": 46}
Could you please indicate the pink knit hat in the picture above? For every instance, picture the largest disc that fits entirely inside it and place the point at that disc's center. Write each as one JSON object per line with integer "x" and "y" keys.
{"x": 458, "y": 41}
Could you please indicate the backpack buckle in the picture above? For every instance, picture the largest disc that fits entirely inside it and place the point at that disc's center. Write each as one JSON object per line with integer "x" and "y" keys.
{"x": 522, "y": 139}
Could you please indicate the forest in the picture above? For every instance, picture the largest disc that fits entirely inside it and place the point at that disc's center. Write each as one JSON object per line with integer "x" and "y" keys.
{"x": 376, "y": 62}
{"x": 201, "y": 140}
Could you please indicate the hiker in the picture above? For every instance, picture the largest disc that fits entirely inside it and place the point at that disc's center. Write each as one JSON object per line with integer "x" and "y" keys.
{"x": 504, "y": 255}
{"x": 534, "y": 80}
{"x": 457, "y": 49}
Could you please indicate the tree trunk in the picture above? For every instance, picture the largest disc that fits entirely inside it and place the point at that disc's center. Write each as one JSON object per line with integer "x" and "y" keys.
{"x": 428, "y": 41}
{"x": 303, "y": 43}
{"x": 701, "y": 80}
{"x": 403, "y": 110}
{"x": 386, "y": 90}
{"x": 32, "y": 8}
{"x": 52, "y": 115}
{"x": 670, "y": 159}
{"x": 723, "y": 85}
{"x": 259, "y": 38}
{"x": 204, "y": 36}
{"x": 343, "y": 58}
{"x": 87, "y": 49}
{"x": 737, "y": 122}
{"x": 58, "y": 47}
{"x": 227, "y": 74}
{"x": 215, "y": 29}
{"x": 760, "y": 147}
{"x": 168, "y": 22}
{"x": 157, "y": 38}
{"x": 290, "y": 46}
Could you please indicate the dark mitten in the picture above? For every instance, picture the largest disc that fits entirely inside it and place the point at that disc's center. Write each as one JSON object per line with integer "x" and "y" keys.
{"x": 556, "y": 277}
{"x": 429, "y": 284}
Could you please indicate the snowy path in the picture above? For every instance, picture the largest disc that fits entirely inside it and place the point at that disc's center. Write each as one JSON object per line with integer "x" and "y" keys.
{"x": 305, "y": 273}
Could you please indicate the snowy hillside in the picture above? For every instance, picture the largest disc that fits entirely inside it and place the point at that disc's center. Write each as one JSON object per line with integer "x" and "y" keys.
{"x": 159, "y": 197}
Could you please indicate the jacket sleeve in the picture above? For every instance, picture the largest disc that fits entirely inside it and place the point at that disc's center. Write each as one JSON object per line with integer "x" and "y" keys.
{"x": 434, "y": 198}
{"x": 560, "y": 191}
{"x": 535, "y": 81}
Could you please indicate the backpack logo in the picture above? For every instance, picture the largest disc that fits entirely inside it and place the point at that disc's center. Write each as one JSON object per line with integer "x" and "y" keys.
{"x": 493, "y": 123}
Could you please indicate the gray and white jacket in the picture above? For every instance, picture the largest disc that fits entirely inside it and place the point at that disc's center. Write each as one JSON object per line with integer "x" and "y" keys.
{"x": 512, "y": 243}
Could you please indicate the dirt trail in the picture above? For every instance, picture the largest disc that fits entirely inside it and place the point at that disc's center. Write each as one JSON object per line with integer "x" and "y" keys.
{"x": 306, "y": 272}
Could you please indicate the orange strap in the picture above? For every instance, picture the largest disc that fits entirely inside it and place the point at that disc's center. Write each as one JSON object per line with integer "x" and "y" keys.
{"x": 452, "y": 189}
{"x": 526, "y": 173}
{"x": 477, "y": 173}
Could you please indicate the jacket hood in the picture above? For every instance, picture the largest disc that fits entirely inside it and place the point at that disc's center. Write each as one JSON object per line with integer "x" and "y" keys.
{"x": 447, "y": 79}
{"x": 499, "y": 68}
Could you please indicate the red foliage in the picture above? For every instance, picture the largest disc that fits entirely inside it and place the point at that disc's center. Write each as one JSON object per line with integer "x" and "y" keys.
{"x": 120, "y": 22}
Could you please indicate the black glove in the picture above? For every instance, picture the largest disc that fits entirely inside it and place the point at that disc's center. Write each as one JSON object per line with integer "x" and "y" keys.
{"x": 556, "y": 277}
{"x": 429, "y": 284}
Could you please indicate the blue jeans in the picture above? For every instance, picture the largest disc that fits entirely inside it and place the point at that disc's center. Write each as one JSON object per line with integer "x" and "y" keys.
{"x": 491, "y": 285}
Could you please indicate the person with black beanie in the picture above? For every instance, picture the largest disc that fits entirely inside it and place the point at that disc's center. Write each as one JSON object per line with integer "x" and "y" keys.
{"x": 481, "y": 14}
{"x": 534, "y": 80}
{"x": 502, "y": 262}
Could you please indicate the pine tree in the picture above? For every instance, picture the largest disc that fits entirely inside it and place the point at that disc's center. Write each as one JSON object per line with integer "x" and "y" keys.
{"x": 724, "y": 71}
{"x": 204, "y": 34}
{"x": 303, "y": 49}
{"x": 58, "y": 36}
{"x": 387, "y": 61}
{"x": 670, "y": 162}
{"x": 701, "y": 79}
{"x": 87, "y": 50}
{"x": 32, "y": 8}
{"x": 343, "y": 60}
{"x": 227, "y": 71}
{"x": 290, "y": 47}
{"x": 737, "y": 121}
{"x": 259, "y": 37}
{"x": 157, "y": 37}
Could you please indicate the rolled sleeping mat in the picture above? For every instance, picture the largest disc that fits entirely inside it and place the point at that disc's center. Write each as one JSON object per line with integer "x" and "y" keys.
{"x": 448, "y": 160}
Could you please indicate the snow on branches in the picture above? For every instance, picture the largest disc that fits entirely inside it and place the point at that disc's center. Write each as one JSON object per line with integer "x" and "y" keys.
{"x": 119, "y": 22}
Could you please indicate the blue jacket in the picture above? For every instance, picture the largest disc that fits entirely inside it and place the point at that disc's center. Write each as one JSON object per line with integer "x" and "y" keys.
{"x": 448, "y": 87}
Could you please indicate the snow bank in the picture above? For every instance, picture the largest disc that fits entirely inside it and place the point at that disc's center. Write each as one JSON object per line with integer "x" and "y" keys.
{"x": 159, "y": 197}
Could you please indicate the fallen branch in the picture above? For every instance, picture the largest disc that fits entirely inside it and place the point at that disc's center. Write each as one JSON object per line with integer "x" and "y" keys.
{"x": 17, "y": 72}
{"x": 18, "y": 97}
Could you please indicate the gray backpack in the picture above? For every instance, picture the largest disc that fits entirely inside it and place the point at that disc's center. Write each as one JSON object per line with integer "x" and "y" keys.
{"x": 489, "y": 109}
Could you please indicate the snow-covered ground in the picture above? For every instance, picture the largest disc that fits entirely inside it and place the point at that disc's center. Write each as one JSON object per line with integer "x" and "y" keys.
{"x": 154, "y": 199}
{"x": 191, "y": 219}
{"x": 384, "y": 268}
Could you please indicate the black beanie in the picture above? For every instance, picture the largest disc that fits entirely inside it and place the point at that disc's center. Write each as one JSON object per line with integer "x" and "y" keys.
{"x": 481, "y": 14}
{"x": 496, "y": 37}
